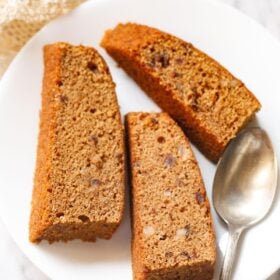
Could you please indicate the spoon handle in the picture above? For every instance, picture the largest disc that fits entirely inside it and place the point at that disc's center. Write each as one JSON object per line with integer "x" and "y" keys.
{"x": 234, "y": 235}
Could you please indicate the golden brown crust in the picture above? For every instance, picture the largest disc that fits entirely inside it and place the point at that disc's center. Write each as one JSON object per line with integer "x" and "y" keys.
{"x": 210, "y": 104}
{"x": 79, "y": 177}
{"x": 172, "y": 227}
{"x": 40, "y": 213}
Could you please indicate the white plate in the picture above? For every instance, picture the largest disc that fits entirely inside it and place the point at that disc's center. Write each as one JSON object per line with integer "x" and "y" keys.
{"x": 236, "y": 41}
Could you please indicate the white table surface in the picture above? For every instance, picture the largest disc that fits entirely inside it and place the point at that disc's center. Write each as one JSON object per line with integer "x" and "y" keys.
{"x": 15, "y": 266}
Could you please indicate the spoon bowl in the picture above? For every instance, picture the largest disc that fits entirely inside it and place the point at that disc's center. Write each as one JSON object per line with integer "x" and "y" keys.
{"x": 244, "y": 186}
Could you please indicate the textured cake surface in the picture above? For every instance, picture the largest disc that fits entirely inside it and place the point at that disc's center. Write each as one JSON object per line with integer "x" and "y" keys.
{"x": 208, "y": 101}
{"x": 79, "y": 177}
{"x": 173, "y": 236}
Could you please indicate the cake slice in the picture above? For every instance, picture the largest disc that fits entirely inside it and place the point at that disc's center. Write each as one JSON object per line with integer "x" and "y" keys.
{"x": 79, "y": 178}
{"x": 172, "y": 227}
{"x": 209, "y": 102}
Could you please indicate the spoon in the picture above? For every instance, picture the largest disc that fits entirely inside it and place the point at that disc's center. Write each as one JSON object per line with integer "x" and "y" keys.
{"x": 244, "y": 186}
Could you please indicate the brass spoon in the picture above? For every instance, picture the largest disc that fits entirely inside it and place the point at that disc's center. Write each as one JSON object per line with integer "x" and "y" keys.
{"x": 244, "y": 186}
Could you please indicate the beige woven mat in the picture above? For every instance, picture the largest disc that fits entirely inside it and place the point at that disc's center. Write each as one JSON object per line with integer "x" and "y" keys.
{"x": 20, "y": 19}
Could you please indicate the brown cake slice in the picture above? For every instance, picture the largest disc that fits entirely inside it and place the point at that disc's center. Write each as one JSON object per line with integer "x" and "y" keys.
{"x": 210, "y": 103}
{"x": 79, "y": 178}
{"x": 172, "y": 227}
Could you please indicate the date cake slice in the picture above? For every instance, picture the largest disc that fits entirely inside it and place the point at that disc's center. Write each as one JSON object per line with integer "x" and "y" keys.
{"x": 208, "y": 101}
{"x": 173, "y": 234}
{"x": 79, "y": 178}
